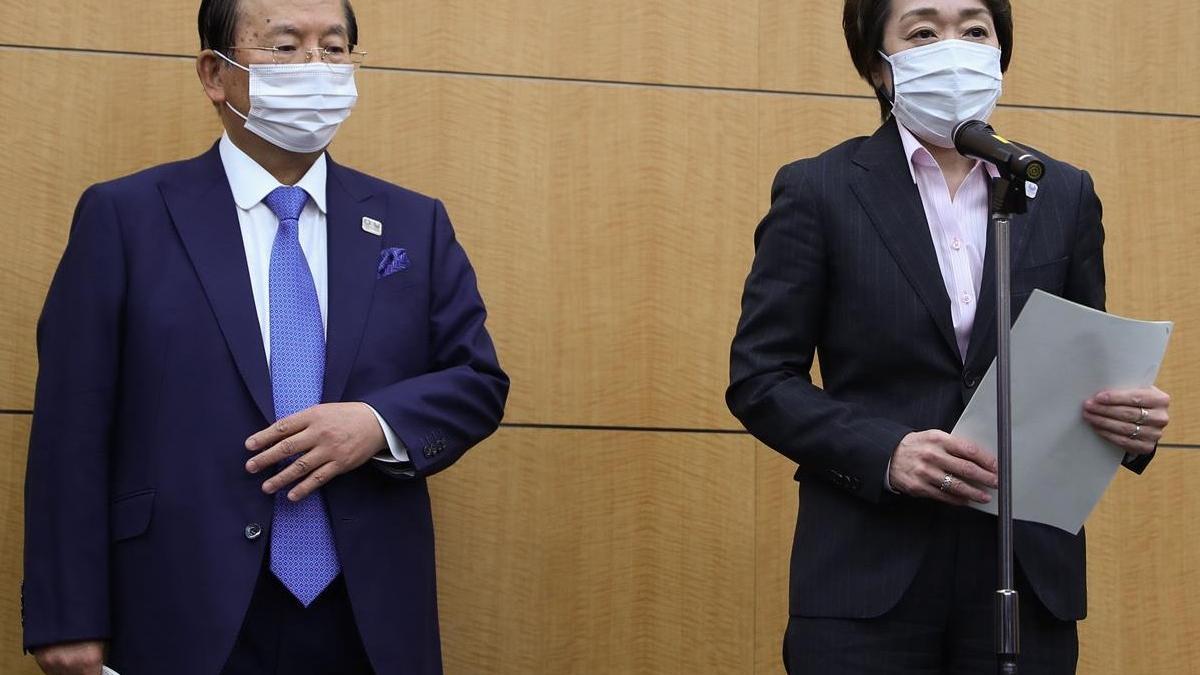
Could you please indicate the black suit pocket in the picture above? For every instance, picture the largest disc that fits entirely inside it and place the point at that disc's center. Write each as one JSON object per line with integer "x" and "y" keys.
{"x": 1049, "y": 276}
{"x": 130, "y": 515}
{"x": 396, "y": 281}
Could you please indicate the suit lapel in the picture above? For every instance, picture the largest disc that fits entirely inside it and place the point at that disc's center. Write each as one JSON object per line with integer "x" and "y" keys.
{"x": 983, "y": 332}
{"x": 353, "y": 270}
{"x": 891, "y": 199}
{"x": 202, "y": 208}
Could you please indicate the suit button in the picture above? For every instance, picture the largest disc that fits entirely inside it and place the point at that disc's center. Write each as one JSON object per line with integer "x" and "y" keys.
{"x": 253, "y": 531}
{"x": 971, "y": 380}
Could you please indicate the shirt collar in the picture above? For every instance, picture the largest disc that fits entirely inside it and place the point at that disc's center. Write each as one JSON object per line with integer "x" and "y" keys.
{"x": 918, "y": 155}
{"x": 251, "y": 183}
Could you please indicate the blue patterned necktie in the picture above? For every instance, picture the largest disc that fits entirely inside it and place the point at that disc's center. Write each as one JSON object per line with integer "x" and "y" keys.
{"x": 302, "y": 552}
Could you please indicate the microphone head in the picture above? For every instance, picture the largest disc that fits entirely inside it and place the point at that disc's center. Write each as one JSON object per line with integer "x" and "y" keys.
{"x": 969, "y": 125}
{"x": 1035, "y": 169}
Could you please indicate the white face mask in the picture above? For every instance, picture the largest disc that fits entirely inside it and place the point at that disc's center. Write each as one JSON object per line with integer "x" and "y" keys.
{"x": 941, "y": 85}
{"x": 298, "y": 106}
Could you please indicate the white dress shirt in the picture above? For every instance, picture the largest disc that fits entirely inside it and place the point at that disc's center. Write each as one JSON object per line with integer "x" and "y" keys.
{"x": 251, "y": 184}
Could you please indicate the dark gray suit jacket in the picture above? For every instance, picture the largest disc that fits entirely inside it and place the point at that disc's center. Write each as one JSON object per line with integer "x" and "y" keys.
{"x": 845, "y": 267}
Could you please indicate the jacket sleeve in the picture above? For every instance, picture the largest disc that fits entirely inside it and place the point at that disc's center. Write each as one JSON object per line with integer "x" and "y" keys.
{"x": 1085, "y": 276}
{"x": 441, "y": 414}
{"x": 65, "y": 594}
{"x": 771, "y": 389}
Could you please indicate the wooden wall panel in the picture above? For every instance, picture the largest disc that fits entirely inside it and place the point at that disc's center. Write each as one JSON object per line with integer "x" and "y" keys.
{"x": 14, "y": 438}
{"x": 708, "y": 42}
{"x": 1078, "y": 54}
{"x": 598, "y": 552}
{"x": 1144, "y": 583}
{"x": 113, "y": 121}
{"x": 80, "y": 119}
{"x": 1068, "y": 54}
{"x": 169, "y": 27}
{"x": 609, "y": 224}
{"x": 802, "y": 49}
{"x": 776, "y": 503}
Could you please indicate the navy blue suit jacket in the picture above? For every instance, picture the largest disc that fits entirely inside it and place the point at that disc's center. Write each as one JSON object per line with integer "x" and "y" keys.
{"x": 845, "y": 267}
{"x": 152, "y": 375}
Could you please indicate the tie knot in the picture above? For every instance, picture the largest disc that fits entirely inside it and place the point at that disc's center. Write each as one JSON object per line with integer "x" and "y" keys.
{"x": 286, "y": 202}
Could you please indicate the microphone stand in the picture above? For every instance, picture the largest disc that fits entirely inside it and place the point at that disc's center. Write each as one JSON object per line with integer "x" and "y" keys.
{"x": 1008, "y": 198}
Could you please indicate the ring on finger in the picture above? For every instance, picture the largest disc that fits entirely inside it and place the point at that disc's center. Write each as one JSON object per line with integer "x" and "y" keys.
{"x": 948, "y": 482}
{"x": 1137, "y": 431}
{"x": 1142, "y": 416}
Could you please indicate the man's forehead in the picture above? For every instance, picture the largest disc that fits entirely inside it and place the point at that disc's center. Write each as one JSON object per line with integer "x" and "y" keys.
{"x": 293, "y": 16}
{"x": 285, "y": 27}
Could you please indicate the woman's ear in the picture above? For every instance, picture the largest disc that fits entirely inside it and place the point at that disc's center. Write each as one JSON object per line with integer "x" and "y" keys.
{"x": 881, "y": 76}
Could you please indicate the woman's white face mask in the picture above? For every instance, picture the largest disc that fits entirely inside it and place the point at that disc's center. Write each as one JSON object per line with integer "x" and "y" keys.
{"x": 298, "y": 107}
{"x": 941, "y": 85}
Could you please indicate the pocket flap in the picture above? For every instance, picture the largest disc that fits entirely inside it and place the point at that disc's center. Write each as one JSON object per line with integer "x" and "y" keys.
{"x": 130, "y": 515}
{"x": 1048, "y": 276}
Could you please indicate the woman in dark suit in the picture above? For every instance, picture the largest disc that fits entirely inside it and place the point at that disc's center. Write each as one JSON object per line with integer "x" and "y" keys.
{"x": 874, "y": 256}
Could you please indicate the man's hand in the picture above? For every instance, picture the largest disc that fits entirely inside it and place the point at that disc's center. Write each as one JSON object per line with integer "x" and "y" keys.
{"x": 1131, "y": 419}
{"x": 329, "y": 439}
{"x": 74, "y": 658}
{"x": 935, "y": 465}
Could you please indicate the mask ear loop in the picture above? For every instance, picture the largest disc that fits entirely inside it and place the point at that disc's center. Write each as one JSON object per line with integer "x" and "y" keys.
{"x": 879, "y": 91}
{"x": 233, "y": 63}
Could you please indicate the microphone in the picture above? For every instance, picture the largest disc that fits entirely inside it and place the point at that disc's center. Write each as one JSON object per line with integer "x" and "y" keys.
{"x": 977, "y": 140}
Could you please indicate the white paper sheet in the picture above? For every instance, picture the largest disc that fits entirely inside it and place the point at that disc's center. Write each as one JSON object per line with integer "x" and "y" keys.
{"x": 1063, "y": 354}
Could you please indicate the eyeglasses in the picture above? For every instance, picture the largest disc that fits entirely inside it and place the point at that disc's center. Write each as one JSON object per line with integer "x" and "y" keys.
{"x": 287, "y": 54}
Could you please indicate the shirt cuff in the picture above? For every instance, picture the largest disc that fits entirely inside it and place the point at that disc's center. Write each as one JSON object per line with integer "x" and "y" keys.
{"x": 396, "y": 452}
{"x": 887, "y": 479}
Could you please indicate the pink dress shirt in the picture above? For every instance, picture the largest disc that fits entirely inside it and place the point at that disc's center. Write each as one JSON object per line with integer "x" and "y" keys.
{"x": 958, "y": 225}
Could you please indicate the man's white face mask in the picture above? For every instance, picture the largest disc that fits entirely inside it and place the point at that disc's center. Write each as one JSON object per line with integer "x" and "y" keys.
{"x": 298, "y": 106}
{"x": 941, "y": 85}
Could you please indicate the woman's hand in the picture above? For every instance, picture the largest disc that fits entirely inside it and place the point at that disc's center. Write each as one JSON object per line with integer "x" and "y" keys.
{"x": 1131, "y": 419}
{"x": 935, "y": 465}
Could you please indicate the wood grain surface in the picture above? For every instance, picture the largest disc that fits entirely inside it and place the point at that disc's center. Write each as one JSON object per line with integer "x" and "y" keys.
{"x": 1075, "y": 55}
{"x": 611, "y": 224}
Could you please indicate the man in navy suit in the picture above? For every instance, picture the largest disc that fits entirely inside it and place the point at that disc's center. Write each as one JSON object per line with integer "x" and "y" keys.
{"x": 250, "y": 363}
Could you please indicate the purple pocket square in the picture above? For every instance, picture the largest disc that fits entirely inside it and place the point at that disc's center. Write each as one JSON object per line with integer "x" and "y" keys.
{"x": 392, "y": 260}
